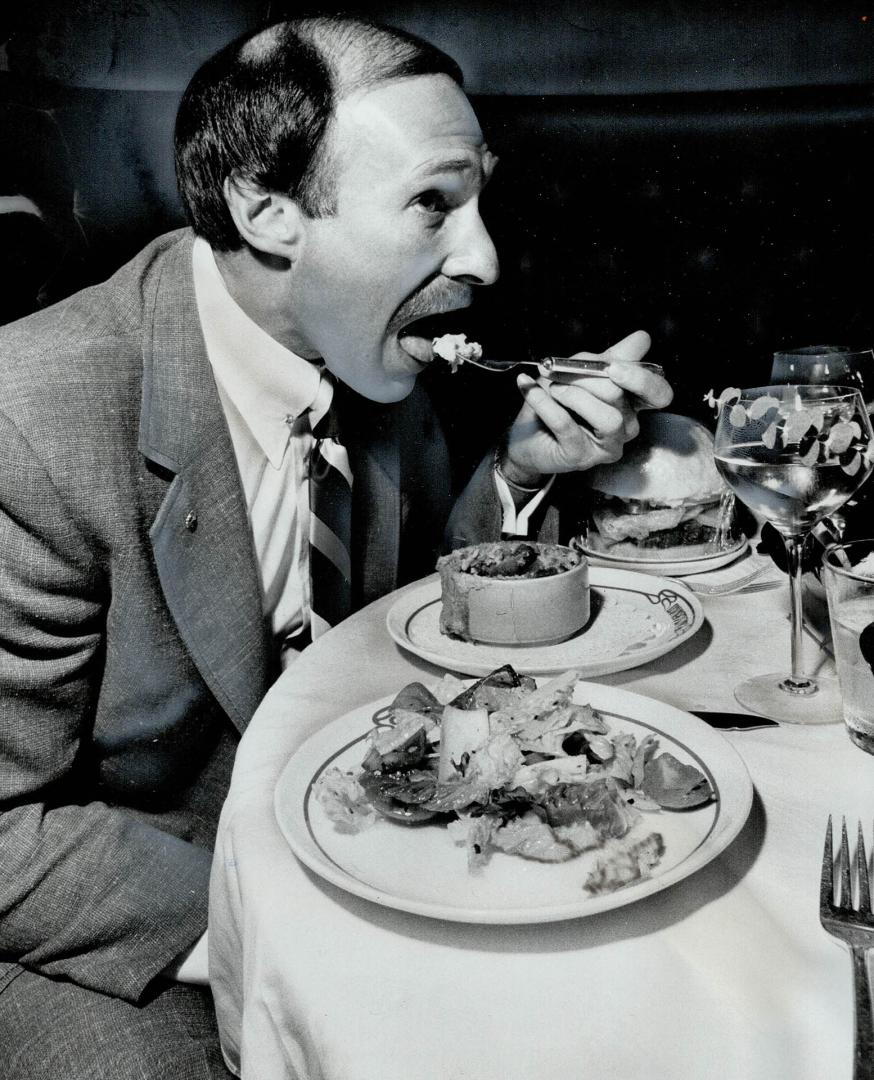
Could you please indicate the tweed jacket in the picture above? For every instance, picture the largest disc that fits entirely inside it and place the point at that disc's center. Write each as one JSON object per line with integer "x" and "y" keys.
{"x": 133, "y": 647}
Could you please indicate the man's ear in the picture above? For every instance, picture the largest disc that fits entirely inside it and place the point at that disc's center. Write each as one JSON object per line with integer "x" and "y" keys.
{"x": 267, "y": 220}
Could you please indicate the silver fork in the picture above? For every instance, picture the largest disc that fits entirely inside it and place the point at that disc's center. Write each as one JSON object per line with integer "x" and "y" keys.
{"x": 557, "y": 365}
{"x": 854, "y": 926}
{"x": 759, "y": 586}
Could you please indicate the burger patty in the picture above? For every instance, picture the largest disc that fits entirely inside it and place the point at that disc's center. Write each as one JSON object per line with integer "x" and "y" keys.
{"x": 689, "y": 534}
{"x": 614, "y": 522}
{"x": 686, "y": 534}
{"x": 646, "y": 526}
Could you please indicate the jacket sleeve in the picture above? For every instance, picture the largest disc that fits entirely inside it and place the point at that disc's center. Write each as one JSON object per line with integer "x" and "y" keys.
{"x": 88, "y": 891}
{"x": 477, "y": 515}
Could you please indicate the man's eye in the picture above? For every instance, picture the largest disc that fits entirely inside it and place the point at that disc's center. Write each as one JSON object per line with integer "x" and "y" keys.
{"x": 433, "y": 202}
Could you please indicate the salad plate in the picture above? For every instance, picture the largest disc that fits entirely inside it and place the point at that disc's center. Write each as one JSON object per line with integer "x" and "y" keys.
{"x": 635, "y": 618}
{"x": 669, "y": 568}
{"x": 423, "y": 869}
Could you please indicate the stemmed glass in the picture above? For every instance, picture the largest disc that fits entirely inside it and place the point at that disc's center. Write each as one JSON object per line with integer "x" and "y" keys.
{"x": 793, "y": 454}
{"x": 827, "y": 365}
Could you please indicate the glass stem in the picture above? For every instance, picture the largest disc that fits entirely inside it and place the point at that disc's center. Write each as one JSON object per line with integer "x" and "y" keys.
{"x": 797, "y": 682}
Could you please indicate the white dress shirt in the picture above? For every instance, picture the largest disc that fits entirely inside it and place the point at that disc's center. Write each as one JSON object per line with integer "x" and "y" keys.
{"x": 266, "y": 392}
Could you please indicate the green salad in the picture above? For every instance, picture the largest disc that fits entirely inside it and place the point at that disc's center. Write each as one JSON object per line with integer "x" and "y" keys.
{"x": 507, "y": 765}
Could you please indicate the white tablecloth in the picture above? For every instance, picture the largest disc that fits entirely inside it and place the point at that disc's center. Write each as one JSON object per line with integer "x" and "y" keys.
{"x": 726, "y": 974}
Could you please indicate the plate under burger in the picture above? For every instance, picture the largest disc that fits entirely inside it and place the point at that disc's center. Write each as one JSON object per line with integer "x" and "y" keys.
{"x": 421, "y": 870}
{"x": 634, "y": 618}
{"x": 699, "y": 564}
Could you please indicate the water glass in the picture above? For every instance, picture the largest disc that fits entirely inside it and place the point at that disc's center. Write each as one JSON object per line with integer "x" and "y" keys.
{"x": 848, "y": 571}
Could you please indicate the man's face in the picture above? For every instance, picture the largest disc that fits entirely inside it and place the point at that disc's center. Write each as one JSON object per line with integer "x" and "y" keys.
{"x": 406, "y": 240}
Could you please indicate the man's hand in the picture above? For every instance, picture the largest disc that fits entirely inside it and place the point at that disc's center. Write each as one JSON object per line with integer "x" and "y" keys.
{"x": 565, "y": 427}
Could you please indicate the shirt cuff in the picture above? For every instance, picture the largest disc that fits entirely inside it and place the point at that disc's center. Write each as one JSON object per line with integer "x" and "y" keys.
{"x": 514, "y": 522}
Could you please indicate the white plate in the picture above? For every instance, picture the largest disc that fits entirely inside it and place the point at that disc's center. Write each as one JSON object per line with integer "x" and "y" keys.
{"x": 677, "y": 568}
{"x": 635, "y": 618}
{"x": 419, "y": 868}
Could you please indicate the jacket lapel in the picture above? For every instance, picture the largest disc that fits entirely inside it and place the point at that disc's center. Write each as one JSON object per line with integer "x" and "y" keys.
{"x": 201, "y": 536}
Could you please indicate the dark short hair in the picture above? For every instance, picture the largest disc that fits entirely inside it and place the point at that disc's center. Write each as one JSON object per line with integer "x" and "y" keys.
{"x": 260, "y": 108}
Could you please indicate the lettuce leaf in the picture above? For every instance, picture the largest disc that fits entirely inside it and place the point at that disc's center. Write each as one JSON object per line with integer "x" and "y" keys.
{"x": 673, "y": 785}
{"x": 600, "y": 802}
{"x": 344, "y": 800}
{"x": 531, "y": 838}
{"x": 622, "y": 863}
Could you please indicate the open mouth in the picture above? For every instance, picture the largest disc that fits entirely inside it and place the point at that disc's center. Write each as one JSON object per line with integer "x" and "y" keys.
{"x": 415, "y": 338}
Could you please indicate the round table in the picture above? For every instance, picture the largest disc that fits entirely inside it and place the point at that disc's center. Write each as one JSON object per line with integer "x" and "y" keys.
{"x": 727, "y": 973}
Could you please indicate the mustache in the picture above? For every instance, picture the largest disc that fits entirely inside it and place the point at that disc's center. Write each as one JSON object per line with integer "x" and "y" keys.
{"x": 436, "y": 297}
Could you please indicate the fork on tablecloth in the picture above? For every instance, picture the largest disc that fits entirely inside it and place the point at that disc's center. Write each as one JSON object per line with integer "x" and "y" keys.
{"x": 759, "y": 586}
{"x": 853, "y": 924}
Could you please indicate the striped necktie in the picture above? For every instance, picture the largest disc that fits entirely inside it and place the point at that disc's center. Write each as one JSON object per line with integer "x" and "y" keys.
{"x": 330, "y": 526}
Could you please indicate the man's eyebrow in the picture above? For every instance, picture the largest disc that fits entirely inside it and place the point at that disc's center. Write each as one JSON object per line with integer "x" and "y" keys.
{"x": 483, "y": 164}
{"x": 447, "y": 165}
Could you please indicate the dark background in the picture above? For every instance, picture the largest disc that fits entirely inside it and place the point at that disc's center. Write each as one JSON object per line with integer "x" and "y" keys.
{"x": 698, "y": 170}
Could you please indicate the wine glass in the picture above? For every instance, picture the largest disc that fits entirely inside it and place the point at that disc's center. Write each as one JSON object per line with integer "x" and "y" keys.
{"x": 827, "y": 365}
{"x": 830, "y": 365}
{"x": 793, "y": 454}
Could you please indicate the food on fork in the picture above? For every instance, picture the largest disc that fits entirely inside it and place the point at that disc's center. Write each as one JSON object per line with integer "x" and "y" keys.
{"x": 455, "y": 349}
{"x": 513, "y": 592}
{"x": 664, "y": 500}
{"x": 511, "y": 766}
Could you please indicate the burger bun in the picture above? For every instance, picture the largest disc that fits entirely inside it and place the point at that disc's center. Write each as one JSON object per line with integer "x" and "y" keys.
{"x": 664, "y": 500}
{"x": 670, "y": 463}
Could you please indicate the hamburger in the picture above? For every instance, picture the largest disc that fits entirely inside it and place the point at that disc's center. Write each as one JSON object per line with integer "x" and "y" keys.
{"x": 664, "y": 500}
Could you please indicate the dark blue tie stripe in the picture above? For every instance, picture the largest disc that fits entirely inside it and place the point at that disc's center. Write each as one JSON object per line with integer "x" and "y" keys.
{"x": 332, "y": 502}
{"x": 332, "y": 594}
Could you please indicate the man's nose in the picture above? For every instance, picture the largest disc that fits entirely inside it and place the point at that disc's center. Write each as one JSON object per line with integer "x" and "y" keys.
{"x": 472, "y": 258}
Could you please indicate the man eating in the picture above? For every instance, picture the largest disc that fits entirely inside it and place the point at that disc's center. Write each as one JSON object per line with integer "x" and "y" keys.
{"x": 207, "y": 461}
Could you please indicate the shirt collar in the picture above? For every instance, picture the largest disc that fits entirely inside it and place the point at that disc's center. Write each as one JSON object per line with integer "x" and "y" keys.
{"x": 267, "y": 383}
